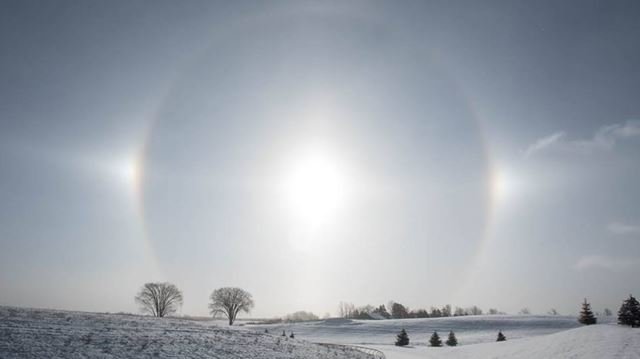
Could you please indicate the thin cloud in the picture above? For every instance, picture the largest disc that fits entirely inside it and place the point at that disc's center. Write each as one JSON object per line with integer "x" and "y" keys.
{"x": 622, "y": 228}
{"x": 545, "y": 142}
{"x": 603, "y": 140}
{"x": 605, "y": 263}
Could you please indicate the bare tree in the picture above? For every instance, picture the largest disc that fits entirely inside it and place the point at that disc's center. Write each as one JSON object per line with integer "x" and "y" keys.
{"x": 346, "y": 310}
{"x": 229, "y": 301}
{"x": 474, "y": 310}
{"x": 159, "y": 299}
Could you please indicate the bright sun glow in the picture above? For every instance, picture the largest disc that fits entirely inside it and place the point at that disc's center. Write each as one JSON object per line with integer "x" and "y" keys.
{"x": 315, "y": 189}
{"x": 128, "y": 171}
{"x": 504, "y": 185}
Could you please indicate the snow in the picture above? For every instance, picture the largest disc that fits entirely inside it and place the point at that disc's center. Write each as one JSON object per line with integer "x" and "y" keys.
{"x": 527, "y": 337}
{"x": 468, "y": 329}
{"x": 601, "y": 341}
{"x": 35, "y": 333}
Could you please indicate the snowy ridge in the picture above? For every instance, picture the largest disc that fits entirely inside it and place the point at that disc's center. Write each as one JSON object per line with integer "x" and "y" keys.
{"x": 35, "y": 333}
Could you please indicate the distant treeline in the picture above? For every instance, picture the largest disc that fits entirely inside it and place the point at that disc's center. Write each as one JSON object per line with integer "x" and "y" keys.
{"x": 399, "y": 311}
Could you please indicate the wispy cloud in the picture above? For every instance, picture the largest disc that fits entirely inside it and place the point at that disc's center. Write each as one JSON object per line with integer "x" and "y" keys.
{"x": 605, "y": 138}
{"x": 623, "y": 228}
{"x": 544, "y": 143}
{"x": 606, "y": 263}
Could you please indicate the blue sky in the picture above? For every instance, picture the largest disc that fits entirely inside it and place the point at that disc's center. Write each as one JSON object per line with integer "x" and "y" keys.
{"x": 318, "y": 152}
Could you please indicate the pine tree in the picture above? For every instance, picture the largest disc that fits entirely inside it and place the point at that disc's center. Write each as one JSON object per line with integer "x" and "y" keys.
{"x": 292, "y": 336}
{"x": 284, "y": 334}
{"x": 452, "y": 341}
{"x": 402, "y": 339}
{"x": 629, "y": 313}
{"x": 501, "y": 337}
{"x": 382, "y": 310}
{"x": 435, "y": 340}
{"x": 586, "y": 315}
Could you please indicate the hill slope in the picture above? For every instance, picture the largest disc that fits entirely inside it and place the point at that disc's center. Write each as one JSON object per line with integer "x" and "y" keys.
{"x": 593, "y": 342}
{"x": 469, "y": 329}
{"x": 33, "y": 333}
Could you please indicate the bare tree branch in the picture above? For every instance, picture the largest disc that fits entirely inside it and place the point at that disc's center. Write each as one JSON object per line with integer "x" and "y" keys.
{"x": 159, "y": 299}
{"x": 229, "y": 301}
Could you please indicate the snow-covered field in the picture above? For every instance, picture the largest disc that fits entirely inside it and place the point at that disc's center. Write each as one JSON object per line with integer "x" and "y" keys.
{"x": 468, "y": 329}
{"x": 528, "y": 337}
{"x": 602, "y": 341}
{"x": 34, "y": 333}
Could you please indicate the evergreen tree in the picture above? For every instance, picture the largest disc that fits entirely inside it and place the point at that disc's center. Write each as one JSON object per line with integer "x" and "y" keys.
{"x": 435, "y": 340}
{"x": 284, "y": 334}
{"x": 382, "y": 310}
{"x": 586, "y": 315}
{"x": 402, "y": 339}
{"x": 292, "y": 336}
{"x": 629, "y": 313}
{"x": 501, "y": 337}
{"x": 452, "y": 341}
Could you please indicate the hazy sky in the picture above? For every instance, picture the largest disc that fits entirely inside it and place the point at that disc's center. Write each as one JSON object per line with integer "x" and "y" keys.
{"x": 433, "y": 152}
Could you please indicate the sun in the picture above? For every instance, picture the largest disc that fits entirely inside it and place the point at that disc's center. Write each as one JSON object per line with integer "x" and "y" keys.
{"x": 127, "y": 170}
{"x": 315, "y": 188}
{"x": 506, "y": 184}
{"x": 500, "y": 185}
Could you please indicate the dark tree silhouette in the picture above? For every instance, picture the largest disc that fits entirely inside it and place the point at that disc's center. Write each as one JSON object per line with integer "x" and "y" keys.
{"x": 292, "y": 336}
{"x": 475, "y": 310}
{"x": 452, "y": 341}
{"x": 382, "y": 310}
{"x": 229, "y": 301}
{"x": 586, "y": 315}
{"x": 459, "y": 312}
{"x": 501, "y": 337}
{"x": 446, "y": 310}
{"x": 629, "y": 313}
{"x": 435, "y": 340}
{"x": 402, "y": 339}
{"x": 420, "y": 313}
{"x": 159, "y": 299}
{"x": 399, "y": 311}
{"x": 435, "y": 313}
